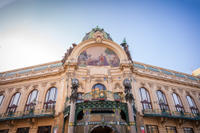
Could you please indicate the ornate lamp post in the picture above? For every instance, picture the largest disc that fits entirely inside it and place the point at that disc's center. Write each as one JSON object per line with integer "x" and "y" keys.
{"x": 73, "y": 98}
{"x": 129, "y": 99}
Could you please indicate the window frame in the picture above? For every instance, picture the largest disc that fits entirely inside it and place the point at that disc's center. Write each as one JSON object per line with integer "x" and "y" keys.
{"x": 30, "y": 105}
{"x": 2, "y": 99}
{"x": 173, "y": 128}
{"x": 152, "y": 128}
{"x": 185, "y": 129}
{"x": 12, "y": 107}
{"x": 164, "y": 105}
{"x": 145, "y": 101}
{"x": 179, "y": 106}
{"x": 48, "y": 102}
{"x": 193, "y": 108}
{"x": 99, "y": 94}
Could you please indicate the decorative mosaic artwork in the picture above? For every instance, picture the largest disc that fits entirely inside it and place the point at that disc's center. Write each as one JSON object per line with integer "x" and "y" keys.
{"x": 98, "y": 56}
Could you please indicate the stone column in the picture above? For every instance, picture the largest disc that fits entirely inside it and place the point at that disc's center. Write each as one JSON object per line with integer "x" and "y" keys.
{"x": 87, "y": 114}
{"x": 73, "y": 98}
{"x": 179, "y": 129}
{"x": 170, "y": 99}
{"x": 13, "y": 130}
{"x": 33, "y": 129}
{"x": 60, "y": 96}
{"x": 131, "y": 118}
{"x": 117, "y": 119}
{"x": 184, "y": 101}
{"x": 129, "y": 99}
{"x": 153, "y": 96}
{"x": 71, "y": 117}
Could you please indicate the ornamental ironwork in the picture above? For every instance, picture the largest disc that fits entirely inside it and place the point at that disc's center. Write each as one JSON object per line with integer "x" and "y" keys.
{"x": 100, "y": 105}
{"x": 171, "y": 114}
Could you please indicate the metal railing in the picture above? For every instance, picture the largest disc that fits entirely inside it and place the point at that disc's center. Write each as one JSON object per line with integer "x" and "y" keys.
{"x": 171, "y": 114}
{"x": 103, "y": 95}
{"x": 27, "y": 114}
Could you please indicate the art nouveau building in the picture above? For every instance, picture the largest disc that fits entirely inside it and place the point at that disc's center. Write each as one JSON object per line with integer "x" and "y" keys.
{"x": 97, "y": 88}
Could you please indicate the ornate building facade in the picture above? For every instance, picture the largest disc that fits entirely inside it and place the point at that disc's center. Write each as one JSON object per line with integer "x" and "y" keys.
{"x": 98, "y": 88}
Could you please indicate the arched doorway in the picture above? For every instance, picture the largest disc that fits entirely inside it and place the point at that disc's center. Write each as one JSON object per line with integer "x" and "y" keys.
{"x": 103, "y": 129}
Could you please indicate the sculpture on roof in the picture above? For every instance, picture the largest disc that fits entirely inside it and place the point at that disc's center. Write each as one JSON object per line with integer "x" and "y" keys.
{"x": 68, "y": 52}
{"x": 126, "y": 49}
{"x": 98, "y": 34}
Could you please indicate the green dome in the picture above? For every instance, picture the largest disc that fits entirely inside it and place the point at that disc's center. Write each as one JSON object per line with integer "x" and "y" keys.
{"x": 90, "y": 34}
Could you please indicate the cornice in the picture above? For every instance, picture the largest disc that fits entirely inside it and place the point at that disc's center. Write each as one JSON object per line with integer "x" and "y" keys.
{"x": 165, "y": 77}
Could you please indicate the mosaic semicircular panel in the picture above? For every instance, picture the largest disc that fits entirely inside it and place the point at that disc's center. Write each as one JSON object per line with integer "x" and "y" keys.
{"x": 98, "y": 56}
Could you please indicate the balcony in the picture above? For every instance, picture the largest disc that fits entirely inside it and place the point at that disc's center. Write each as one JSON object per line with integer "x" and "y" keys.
{"x": 27, "y": 114}
{"x": 101, "y": 95}
{"x": 171, "y": 114}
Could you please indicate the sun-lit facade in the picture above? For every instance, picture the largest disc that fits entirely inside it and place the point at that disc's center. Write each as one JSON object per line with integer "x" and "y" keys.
{"x": 98, "y": 88}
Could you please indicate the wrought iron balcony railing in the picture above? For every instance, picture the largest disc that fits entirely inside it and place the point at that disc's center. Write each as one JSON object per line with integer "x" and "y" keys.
{"x": 171, "y": 114}
{"x": 102, "y": 95}
{"x": 27, "y": 114}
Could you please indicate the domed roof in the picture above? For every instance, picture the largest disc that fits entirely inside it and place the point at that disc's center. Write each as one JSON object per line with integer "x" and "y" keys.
{"x": 97, "y": 32}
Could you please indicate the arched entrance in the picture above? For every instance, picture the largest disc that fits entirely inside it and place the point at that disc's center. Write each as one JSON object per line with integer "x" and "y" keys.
{"x": 103, "y": 129}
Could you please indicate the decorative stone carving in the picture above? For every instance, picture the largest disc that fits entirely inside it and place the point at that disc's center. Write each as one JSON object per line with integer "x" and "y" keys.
{"x": 53, "y": 84}
{"x": 35, "y": 86}
{"x": 44, "y": 84}
{"x": 117, "y": 86}
{"x": 127, "y": 88}
{"x": 67, "y": 54}
{"x": 74, "y": 94}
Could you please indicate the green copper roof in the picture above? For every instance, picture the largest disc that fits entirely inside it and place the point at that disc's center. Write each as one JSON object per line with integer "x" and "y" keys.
{"x": 90, "y": 34}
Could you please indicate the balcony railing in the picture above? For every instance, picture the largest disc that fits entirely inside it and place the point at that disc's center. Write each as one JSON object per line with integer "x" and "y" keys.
{"x": 171, "y": 114}
{"x": 102, "y": 95}
{"x": 27, "y": 114}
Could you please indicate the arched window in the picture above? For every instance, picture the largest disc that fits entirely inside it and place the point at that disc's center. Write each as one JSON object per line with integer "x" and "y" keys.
{"x": 162, "y": 101}
{"x": 192, "y": 105}
{"x": 1, "y": 99}
{"x": 31, "y": 102}
{"x": 178, "y": 103}
{"x": 145, "y": 99}
{"x": 50, "y": 99}
{"x": 98, "y": 92}
{"x": 14, "y": 102}
{"x": 99, "y": 87}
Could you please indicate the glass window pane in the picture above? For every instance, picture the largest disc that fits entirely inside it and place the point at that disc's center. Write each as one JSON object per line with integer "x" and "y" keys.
{"x": 188, "y": 130}
{"x": 44, "y": 129}
{"x": 190, "y": 101}
{"x": 16, "y": 99}
{"x": 175, "y": 99}
{"x": 152, "y": 129}
{"x": 23, "y": 130}
{"x": 1, "y": 99}
{"x": 170, "y": 129}
{"x": 4, "y": 131}
{"x": 145, "y": 98}
{"x": 33, "y": 96}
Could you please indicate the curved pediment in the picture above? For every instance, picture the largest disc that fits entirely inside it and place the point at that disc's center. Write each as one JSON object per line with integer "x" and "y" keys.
{"x": 93, "y": 53}
{"x": 97, "y": 49}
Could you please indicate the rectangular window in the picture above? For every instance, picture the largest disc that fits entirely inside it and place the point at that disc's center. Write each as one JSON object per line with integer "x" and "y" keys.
{"x": 188, "y": 130}
{"x": 170, "y": 129}
{"x": 23, "y": 130}
{"x": 152, "y": 129}
{"x": 4, "y": 131}
{"x": 44, "y": 129}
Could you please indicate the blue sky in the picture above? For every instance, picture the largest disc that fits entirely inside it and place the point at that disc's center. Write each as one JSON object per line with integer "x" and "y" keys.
{"x": 164, "y": 33}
